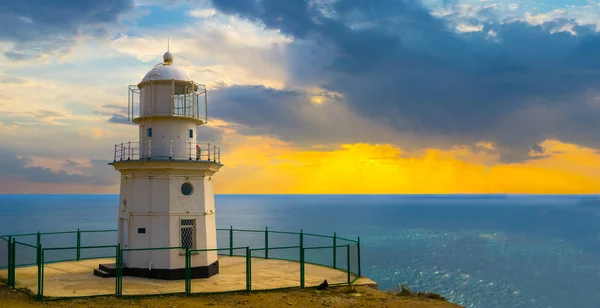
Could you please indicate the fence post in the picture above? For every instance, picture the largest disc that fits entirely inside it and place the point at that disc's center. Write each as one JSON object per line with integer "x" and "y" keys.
{"x": 301, "y": 259}
{"x": 14, "y": 262}
{"x": 334, "y": 250}
{"x": 39, "y": 265}
{"x": 188, "y": 272}
{"x": 231, "y": 241}
{"x": 10, "y": 260}
{"x": 118, "y": 271}
{"x": 266, "y": 242}
{"x": 348, "y": 261}
{"x": 39, "y": 242}
{"x": 358, "y": 254}
{"x": 42, "y": 262}
{"x": 248, "y": 269}
{"x": 78, "y": 245}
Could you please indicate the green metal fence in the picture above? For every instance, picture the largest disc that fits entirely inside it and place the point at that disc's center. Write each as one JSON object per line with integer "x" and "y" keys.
{"x": 4, "y": 243}
{"x": 251, "y": 246}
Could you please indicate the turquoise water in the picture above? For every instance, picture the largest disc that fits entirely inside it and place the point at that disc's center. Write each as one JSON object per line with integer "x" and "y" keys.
{"x": 478, "y": 251}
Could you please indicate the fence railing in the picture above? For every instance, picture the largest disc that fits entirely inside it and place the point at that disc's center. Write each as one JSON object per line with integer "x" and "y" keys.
{"x": 330, "y": 251}
{"x": 174, "y": 150}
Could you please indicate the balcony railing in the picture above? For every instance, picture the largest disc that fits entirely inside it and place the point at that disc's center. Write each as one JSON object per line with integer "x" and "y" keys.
{"x": 174, "y": 150}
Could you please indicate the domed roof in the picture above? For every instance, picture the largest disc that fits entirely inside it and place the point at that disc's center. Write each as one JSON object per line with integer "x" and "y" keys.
{"x": 166, "y": 71}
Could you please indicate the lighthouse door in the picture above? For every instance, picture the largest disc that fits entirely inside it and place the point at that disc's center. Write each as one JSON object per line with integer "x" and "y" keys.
{"x": 124, "y": 237}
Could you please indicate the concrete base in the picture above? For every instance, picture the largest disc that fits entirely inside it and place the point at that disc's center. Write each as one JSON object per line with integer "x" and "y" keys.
{"x": 110, "y": 270}
{"x": 68, "y": 279}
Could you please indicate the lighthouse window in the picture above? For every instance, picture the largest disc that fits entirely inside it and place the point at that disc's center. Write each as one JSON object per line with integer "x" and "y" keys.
{"x": 149, "y": 132}
{"x": 188, "y": 233}
{"x": 191, "y": 133}
{"x": 187, "y": 189}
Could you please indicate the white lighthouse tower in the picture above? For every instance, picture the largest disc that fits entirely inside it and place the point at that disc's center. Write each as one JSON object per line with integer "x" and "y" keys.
{"x": 167, "y": 178}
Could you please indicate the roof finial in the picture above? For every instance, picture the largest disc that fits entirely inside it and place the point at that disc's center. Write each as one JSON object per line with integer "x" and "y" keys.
{"x": 167, "y": 57}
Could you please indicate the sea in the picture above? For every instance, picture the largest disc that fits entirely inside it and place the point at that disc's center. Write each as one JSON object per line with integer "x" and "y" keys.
{"x": 476, "y": 250}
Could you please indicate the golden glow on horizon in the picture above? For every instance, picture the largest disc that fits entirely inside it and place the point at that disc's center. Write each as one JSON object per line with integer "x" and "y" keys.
{"x": 385, "y": 169}
{"x": 263, "y": 165}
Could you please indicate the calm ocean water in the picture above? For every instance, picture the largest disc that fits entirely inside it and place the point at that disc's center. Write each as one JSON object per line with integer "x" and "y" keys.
{"x": 478, "y": 251}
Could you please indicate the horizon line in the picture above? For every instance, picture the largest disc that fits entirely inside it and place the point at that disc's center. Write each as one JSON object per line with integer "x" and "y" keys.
{"x": 340, "y": 194}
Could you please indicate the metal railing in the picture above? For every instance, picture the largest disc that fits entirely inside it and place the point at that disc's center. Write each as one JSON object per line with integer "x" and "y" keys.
{"x": 335, "y": 252}
{"x": 177, "y": 150}
{"x": 127, "y": 151}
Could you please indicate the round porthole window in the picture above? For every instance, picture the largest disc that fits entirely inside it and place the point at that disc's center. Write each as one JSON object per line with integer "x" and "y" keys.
{"x": 187, "y": 189}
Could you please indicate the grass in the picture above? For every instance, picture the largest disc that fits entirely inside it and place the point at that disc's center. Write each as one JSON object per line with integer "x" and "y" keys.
{"x": 405, "y": 291}
{"x": 342, "y": 296}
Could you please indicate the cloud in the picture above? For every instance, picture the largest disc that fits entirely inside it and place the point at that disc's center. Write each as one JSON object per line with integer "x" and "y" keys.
{"x": 119, "y": 119}
{"x": 406, "y": 70}
{"x": 39, "y": 27}
{"x": 294, "y": 116}
{"x": 117, "y": 113}
{"x": 218, "y": 49}
{"x": 12, "y": 80}
{"x": 538, "y": 148}
{"x": 69, "y": 164}
{"x": 94, "y": 133}
{"x": 211, "y": 134}
{"x": 39, "y": 117}
{"x": 18, "y": 167}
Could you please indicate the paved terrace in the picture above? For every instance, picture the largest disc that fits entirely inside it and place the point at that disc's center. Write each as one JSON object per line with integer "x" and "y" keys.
{"x": 73, "y": 279}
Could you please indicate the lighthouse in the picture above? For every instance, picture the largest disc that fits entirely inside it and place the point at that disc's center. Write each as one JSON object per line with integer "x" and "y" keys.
{"x": 167, "y": 179}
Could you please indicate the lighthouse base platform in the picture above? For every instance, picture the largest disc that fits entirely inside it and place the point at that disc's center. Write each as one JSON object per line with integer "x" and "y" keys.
{"x": 75, "y": 279}
{"x": 109, "y": 270}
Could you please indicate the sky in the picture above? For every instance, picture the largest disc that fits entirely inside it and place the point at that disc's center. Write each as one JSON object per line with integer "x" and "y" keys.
{"x": 319, "y": 96}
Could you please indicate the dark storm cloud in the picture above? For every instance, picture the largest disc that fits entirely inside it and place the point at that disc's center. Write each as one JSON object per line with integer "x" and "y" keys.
{"x": 538, "y": 148}
{"x": 11, "y": 166}
{"x": 290, "y": 115}
{"x": 247, "y": 105}
{"x": 41, "y": 26}
{"x": 209, "y": 134}
{"x": 513, "y": 84}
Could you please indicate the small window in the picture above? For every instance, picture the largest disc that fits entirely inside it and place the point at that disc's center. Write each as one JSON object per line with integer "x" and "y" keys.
{"x": 149, "y": 132}
{"x": 187, "y": 189}
{"x": 191, "y": 133}
{"x": 188, "y": 233}
{"x": 142, "y": 230}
